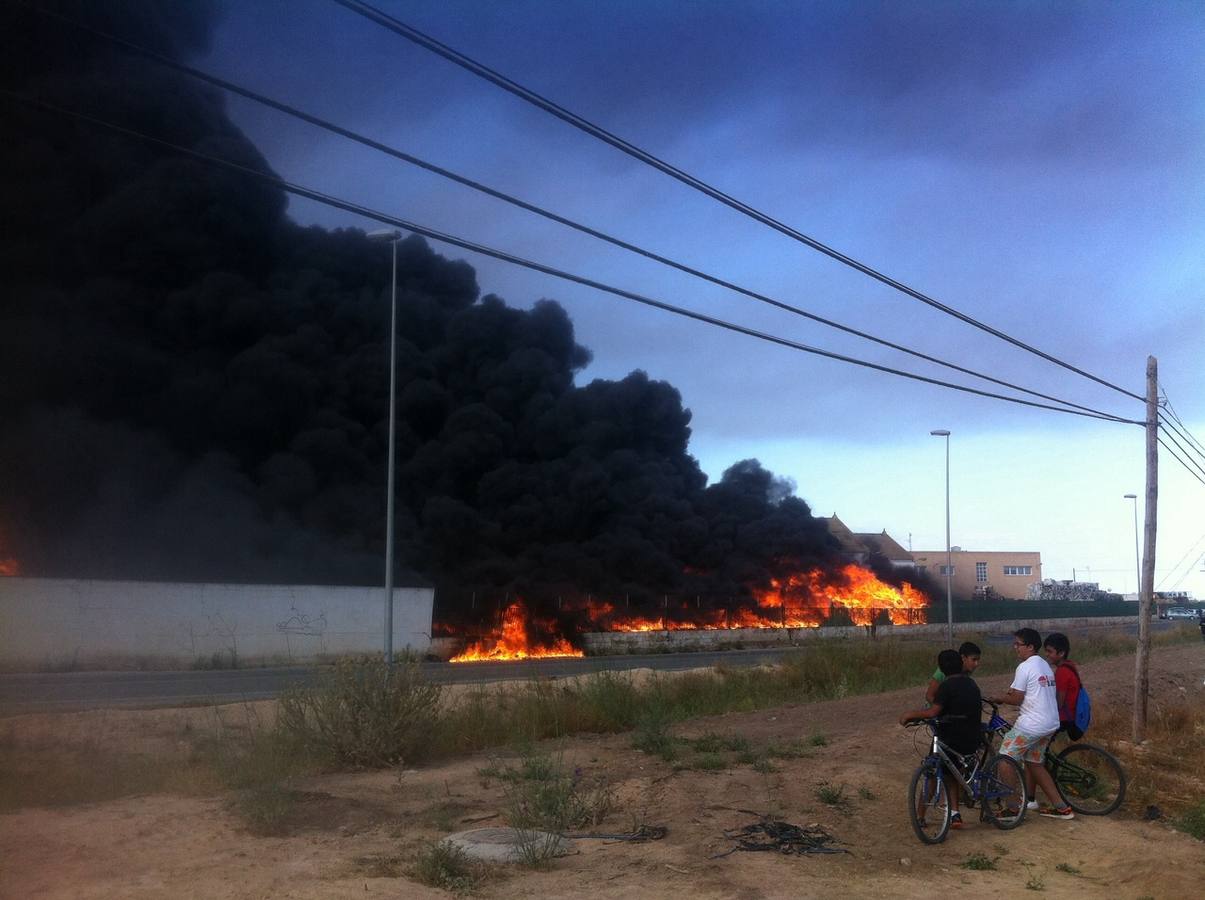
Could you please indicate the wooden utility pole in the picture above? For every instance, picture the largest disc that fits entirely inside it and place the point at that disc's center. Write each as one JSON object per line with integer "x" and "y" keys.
{"x": 1147, "y": 590}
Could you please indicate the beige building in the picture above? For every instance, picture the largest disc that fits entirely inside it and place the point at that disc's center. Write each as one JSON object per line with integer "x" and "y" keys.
{"x": 1008, "y": 574}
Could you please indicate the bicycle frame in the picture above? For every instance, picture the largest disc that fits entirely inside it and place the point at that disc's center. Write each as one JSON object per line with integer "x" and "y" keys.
{"x": 975, "y": 783}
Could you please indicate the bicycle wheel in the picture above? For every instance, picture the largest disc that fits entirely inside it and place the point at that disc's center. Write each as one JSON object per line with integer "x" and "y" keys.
{"x": 1090, "y": 779}
{"x": 928, "y": 804}
{"x": 1001, "y": 789}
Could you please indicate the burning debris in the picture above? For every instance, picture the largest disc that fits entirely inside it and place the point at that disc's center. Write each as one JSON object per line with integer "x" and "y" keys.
{"x": 518, "y": 637}
{"x": 807, "y": 600}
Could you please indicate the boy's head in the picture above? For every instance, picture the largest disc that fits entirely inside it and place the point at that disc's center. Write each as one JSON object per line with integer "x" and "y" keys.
{"x": 1027, "y": 642}
{"x": 970, "y": 653}
{"x": 1056, "y": 648}
{"x": 949, "y": 662}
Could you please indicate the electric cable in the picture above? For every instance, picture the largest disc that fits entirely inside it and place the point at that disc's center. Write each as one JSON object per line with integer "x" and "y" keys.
{"x": 410, "y": 159}
{"x": 1180, "y": 461}
{"x": 1167, "y": 424}
{"x": 1172, "y": 571}
{"x": 423, "y": 40}
{"x": 1180, "y": 447}
{"x": 1171, "y": 411}
{"x": 473, "y": 247}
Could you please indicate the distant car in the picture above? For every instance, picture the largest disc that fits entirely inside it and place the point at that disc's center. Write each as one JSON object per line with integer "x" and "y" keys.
{"x": 1179, "y": 612}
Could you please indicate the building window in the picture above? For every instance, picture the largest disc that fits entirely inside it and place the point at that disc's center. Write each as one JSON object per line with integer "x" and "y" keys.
{"x": 1018, "y": 570}
{"x": 922, "y": 568}
{"x": 981, "y": 572}
{"x": 945, "y": 570}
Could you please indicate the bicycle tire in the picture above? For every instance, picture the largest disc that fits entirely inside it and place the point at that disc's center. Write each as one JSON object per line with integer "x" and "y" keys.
{"x": 928, "y": 804}
{"x": 1003, "y": 799}
{"x": 1090, "y": 779}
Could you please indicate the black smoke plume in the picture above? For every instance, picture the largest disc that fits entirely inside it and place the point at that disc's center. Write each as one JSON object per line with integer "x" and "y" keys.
{"x": 193, "y": 387}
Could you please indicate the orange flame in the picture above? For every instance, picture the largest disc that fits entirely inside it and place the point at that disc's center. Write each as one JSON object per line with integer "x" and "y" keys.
{"x": 856, "y": 590}
{"x": 802, "y": 600}
{"x": 511, "y": 641}
{"x": 8, "y": 565}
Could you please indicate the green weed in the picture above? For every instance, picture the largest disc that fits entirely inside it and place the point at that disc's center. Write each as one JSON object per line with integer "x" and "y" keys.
{"x": 445, "y": 866}
{"x": 1193, "y": 821}
{"x": 832, "y": 795}
{"x": 363, "y": 714}
{"x": 978, "y": 862}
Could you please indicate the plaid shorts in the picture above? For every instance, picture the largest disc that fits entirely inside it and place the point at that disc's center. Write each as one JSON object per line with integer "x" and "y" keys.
{"x": 1025, "y": 747}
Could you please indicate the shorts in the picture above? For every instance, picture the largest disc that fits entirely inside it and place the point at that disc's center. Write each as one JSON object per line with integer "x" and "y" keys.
{"x": 1025, "y": 747}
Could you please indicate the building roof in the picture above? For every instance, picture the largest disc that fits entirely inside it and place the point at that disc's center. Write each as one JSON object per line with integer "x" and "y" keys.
{"x": 857, "y": 542}
{"x": 885, "y": 545}
{"x": 849, "y": 543}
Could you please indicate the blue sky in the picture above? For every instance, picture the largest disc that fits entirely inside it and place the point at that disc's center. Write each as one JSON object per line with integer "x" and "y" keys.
{"x": 1039, "y": 166}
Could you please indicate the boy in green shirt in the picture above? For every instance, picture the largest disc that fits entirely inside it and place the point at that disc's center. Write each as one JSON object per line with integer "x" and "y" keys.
{"x": 970, "y": 654}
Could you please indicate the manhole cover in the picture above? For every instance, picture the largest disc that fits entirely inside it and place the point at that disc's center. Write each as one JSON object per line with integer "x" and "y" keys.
{"x": 508, "y": 844}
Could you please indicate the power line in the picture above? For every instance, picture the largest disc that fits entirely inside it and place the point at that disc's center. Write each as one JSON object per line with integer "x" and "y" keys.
{"x": 1166, "y": 423}
{"x": 1180, "y": 461}
{"x": 376, "y": 215}
{"x": 1172, "y": 571}
{"x": 1171, "y": 410}
{"x": 414, "y": 35}
{"x": 401, "y": 155}
{"x": 1180, "y": 446}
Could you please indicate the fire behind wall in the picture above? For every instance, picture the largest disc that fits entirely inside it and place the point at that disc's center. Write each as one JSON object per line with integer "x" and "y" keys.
{"x": 194, "y": 386}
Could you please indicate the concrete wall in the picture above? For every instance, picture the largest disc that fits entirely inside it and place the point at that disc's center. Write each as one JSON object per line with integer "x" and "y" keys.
{"x": 51, "y": 622}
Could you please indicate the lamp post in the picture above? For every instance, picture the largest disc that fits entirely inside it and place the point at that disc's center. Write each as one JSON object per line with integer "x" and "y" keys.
{"x": 941, "y": 432}
{"x": 1137, "y": 564}
{"x": 393, "y": 236}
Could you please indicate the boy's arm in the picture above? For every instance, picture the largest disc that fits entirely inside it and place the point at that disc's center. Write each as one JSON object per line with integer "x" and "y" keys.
{"x": 1011, "y": 697}
{"x": 931, "y": 690}
{"x": 916, "y": 714}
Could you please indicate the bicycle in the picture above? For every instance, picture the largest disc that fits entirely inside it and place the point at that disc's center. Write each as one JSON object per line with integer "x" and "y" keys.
{"x": 1090, "y": 778}
{"x": 980, "y": 777}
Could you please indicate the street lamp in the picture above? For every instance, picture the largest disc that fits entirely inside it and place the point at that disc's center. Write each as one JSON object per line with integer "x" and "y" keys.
{"x": 1137, "y": 564}
{"x": 941, "y": 432}
{"x": 393, "y": 236}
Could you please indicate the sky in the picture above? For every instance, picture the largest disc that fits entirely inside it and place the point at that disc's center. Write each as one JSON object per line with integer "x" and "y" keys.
{"x": 1037, "y": 166}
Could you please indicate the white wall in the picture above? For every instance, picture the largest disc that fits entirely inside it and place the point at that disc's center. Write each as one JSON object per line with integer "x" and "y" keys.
{"x": 51, "y": 622}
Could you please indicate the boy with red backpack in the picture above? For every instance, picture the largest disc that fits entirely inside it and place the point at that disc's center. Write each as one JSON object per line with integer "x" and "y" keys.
{"x": 1073, "y": 711}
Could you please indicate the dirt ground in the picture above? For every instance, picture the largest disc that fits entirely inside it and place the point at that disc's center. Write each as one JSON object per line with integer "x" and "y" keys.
{"x": 354, "y": 834}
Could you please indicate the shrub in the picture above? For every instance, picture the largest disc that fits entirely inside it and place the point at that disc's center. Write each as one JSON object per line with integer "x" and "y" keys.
{"x": 1193, "y": 821}
{"x": 542, "y": 793}
{"x": 363, "y": 714}
{"x": 445, "y": 866}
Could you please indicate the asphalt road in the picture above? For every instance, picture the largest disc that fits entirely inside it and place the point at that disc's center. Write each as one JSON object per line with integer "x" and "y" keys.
{"x": 60, "y": 691}
{"x": 63, "y": 691}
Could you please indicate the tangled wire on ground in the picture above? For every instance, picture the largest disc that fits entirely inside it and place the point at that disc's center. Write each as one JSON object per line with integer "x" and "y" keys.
{"x": 784, "y": 837}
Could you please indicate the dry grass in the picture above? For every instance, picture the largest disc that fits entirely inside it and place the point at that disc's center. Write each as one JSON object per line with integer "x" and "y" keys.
{"x": 233, "y": 748}
{"x": 1167, "y": 771}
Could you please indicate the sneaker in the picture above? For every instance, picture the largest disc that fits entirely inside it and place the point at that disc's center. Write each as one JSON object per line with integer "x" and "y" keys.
{"x": 1032, "y": 805}
{"x": 955, "y": 820}
{"x": 1053, "y": 812}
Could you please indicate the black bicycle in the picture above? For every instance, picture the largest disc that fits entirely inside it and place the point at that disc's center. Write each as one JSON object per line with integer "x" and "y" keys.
{"x": 1089, "y": 777}
{"x": 985, "y": 779}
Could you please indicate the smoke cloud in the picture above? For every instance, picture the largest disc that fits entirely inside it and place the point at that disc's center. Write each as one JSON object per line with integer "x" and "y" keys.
{"x": 195, "y": 388}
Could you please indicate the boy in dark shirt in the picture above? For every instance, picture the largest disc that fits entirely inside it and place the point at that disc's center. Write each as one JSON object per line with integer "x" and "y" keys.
{"x": 957, "y": 697}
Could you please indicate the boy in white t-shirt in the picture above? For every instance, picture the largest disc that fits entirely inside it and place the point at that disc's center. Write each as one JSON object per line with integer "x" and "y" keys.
{"x": 1033, "y": 690}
